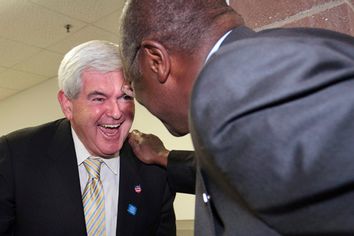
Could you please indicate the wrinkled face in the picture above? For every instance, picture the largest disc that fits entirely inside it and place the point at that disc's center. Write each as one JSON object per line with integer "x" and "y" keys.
{"x": 102, "y": 114}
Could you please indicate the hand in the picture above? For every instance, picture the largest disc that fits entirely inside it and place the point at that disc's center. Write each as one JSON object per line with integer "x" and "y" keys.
{"x": 148, "y": 148}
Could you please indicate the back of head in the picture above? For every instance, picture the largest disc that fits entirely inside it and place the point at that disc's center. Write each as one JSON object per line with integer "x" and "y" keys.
{"x": 179, "y": 25}
{"x": 98, "y": 55}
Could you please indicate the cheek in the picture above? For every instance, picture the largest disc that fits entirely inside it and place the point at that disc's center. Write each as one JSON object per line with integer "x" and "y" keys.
{"x": 87, "y": 114}
{"x": 130, "y": 111}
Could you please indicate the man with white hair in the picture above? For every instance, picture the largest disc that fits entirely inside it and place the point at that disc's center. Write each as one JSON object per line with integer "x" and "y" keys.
{"x": 77, "y": 175}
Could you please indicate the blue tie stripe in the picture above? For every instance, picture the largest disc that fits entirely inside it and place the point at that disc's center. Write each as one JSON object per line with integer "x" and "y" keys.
{"x": 98, "y": 206}
{"x": 94, "y": 193}
{"x": 96, "y": 217}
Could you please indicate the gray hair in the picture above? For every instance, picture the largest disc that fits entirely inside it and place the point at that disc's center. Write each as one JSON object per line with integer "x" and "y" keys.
{"x": 99, "y": 55}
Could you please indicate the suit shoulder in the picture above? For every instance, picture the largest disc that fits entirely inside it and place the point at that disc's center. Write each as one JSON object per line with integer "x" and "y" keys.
{"x": 305, "y": 33}
{"x": 128, "y": 156}
{"x": 270, "y": 41}
{"x": 29, "y": 134}
{"x": 256, "y": 73}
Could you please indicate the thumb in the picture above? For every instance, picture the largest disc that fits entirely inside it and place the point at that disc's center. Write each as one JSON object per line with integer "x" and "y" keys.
{"x": 134, "y": 139}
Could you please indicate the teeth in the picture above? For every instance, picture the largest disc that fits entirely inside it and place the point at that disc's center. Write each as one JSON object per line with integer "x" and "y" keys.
{"x": 111, "y": 126}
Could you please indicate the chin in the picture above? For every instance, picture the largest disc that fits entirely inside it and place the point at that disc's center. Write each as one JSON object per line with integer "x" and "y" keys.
{"x": 176, "y": 132}
{"x": 110, "y": 152}
{"x": 109, "y": 155}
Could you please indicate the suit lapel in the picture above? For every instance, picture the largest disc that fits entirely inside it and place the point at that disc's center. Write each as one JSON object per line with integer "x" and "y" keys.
{"x": 129, "y": 198}
{"x": 65, "y": 177}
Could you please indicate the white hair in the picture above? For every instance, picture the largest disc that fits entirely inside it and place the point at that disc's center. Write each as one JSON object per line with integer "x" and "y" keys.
{"x": 99, "y": 55}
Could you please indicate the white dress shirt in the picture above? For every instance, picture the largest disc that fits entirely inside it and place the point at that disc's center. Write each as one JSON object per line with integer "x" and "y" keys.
{"x": 109, "y": 176}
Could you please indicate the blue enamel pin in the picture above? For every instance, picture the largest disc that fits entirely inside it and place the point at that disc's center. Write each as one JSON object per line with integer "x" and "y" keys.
{"x": 132, "y": 209}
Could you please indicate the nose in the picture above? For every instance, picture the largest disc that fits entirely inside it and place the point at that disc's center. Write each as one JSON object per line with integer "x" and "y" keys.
{"x": 114, "y": 110}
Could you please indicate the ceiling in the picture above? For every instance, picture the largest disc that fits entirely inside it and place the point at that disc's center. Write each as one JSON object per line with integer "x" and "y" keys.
{"x": 33, "y": 37}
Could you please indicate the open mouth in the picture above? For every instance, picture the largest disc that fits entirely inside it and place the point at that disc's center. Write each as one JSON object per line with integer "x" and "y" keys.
{"x": 111, "y": 126}
{"x": 110, "y": 130}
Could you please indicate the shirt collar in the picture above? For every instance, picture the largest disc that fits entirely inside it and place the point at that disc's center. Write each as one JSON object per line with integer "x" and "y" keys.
{"x": 217, "y": 45}
{"x": 82, "y": 154}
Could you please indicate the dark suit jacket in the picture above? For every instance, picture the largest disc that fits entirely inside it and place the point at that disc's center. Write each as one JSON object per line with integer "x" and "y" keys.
{"x": 181, "y": 169}
{"x": 40, "y": 189}
{"x": 277, "y": 156}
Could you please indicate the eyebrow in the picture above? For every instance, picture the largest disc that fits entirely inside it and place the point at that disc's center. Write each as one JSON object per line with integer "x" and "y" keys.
{"x": 96, "y": 93}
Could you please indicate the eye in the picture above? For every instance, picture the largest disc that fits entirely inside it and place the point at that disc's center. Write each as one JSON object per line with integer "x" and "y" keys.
{"x": 127, "y": 97}
{"x": 98, "y": 99}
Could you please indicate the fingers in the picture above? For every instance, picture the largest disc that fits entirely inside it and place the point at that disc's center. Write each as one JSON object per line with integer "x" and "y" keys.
{"x": 136, "y": 135}
{"x": 135, "y": 138}
{"x": 136, "y": 132}
{"x": 148, "y": 148}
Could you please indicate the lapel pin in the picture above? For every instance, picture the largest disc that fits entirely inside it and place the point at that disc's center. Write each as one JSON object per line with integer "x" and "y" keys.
{"x": 137, "y": 189}
{"x": 206, "y": 198}
{"x": 132, "y": 209}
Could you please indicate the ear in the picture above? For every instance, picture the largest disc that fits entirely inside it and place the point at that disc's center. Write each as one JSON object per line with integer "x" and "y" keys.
{"x": 157, "y": 58}
{"x": 65, "y": 104}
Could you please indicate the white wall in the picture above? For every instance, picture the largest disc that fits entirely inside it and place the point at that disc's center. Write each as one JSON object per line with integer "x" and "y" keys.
{"x": 39, "y": 105}
{"x": 31, "y": 107}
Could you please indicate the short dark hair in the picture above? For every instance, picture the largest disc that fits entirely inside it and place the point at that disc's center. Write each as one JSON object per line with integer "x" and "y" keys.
{"x": 176, "y": 24}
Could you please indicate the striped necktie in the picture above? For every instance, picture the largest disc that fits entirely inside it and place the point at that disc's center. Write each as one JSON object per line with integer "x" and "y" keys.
{"x": 93, "y": 199}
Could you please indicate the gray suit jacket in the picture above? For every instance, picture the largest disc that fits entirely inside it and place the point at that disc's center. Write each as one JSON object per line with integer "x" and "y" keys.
{"x": 40, "y": 187}
{"x": 277, "y": 156}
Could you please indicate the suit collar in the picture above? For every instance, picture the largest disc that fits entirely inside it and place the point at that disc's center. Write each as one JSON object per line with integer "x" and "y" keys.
{"x": 64, "y": 172}
{"x": 231, "y": 36}
{"x": 62, "y": 144}
{"x": 238, "y": 33}
{"x": 217, "y": 45}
